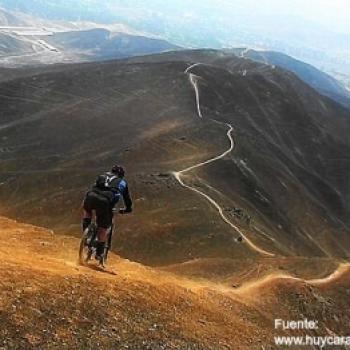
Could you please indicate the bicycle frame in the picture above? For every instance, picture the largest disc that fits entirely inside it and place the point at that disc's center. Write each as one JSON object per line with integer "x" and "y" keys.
{"x": 90, "y": 238}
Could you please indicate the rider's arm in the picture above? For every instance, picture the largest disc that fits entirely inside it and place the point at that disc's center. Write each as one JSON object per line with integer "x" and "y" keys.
{"x": 124, "y": 190}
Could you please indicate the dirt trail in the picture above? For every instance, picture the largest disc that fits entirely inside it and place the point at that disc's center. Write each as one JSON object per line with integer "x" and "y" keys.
{"x": 41, "y": 250}
{"x": 336, "y": 275}
{"x": 178, "y": 174}
{"x": 256, "y": 285}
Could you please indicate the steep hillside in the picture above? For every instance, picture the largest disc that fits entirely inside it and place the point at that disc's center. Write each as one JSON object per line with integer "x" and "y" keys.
{"x": 48, "y": 301}
{"x": 322, "y": 82}
{"x": 267, "y": 160}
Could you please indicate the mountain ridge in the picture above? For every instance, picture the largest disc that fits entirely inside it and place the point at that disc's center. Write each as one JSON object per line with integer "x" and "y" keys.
{"x": 322, "y": 82}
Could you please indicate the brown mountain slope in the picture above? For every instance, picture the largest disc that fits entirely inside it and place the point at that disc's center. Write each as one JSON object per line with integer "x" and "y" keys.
{"x": 47, "y": 301}
{"x": 288, "y": 169}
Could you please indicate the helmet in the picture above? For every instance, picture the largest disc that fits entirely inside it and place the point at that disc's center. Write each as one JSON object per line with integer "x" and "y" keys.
{"x": 118, "y": 170}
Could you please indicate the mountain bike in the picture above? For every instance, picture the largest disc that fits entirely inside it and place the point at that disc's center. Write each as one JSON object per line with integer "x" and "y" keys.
{"x": 88, "y": 244}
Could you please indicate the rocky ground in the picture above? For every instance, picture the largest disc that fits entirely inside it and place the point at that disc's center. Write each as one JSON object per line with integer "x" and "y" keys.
{"x": 49, "y": 301}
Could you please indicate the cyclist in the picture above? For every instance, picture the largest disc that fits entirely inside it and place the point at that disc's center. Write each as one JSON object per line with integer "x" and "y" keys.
{"x": 101, "y": 199}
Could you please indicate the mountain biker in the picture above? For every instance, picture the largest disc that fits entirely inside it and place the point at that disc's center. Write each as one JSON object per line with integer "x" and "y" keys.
{"x": 101, "y": 199}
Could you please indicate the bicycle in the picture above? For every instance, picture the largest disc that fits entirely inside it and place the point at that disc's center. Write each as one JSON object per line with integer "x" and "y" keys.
{"x": 88, "y": 244}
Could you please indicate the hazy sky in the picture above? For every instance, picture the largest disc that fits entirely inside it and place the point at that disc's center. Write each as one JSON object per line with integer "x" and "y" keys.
{"x": 309, "y": 30}
{"x": 331, "y": 13}
{"x": 335, "y": 14}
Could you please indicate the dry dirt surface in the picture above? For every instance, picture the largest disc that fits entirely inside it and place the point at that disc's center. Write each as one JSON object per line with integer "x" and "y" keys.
{"x": 49, "y": 301}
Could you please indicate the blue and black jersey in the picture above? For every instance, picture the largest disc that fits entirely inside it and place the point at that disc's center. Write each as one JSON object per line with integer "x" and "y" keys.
{"x": 113, "y": 188}
{"x": 122, "y": 191}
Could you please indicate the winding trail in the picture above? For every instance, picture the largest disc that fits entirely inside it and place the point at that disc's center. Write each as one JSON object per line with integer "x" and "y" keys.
{"x": 193, "y": 80}
{"x": 342, "y": 269}
{"x": 256, "y": 285}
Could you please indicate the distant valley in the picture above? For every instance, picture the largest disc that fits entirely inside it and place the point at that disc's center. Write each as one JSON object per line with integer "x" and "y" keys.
{"x": 29, "y": 41}
{"x": 245, "y": 23}
{"x": 26, "y": 40}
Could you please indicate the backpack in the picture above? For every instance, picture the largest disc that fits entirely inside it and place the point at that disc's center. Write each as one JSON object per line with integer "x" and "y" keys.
{"x": 108, "y": 182}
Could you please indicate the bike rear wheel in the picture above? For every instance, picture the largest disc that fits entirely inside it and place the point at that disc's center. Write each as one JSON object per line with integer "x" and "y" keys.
{"x": 86, "y": 244}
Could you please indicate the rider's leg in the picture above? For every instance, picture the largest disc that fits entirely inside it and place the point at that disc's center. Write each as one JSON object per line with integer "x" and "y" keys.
{"x": 101, "y": 240}
{"x": 87, "y": 218}
{"x": 102, "y": 234}
{"x": 87, "y": 212}
{"x": 104, "y": 222}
